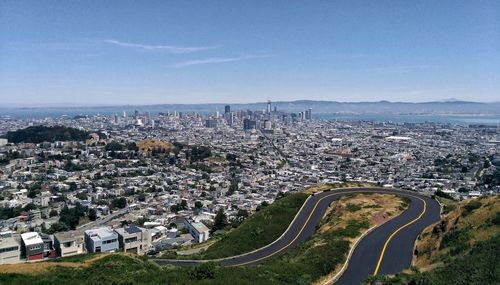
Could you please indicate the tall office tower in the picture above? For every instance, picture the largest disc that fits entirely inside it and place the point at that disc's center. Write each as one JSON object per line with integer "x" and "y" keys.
{"x": 284, "y": 119}
{"x": 227, "y": 109}
{"x": 268, "y": 106}
{"x": 152, "y": 124}
{"x": 136, "y": 114}
{"x": 275, "y": 109}
{"x": 229, "y": 117}
{"x": 309, "y": 114}
{"x": 116, "y": 118}
{"x": 249, "y": 124}
{"x": 124, "y": 114}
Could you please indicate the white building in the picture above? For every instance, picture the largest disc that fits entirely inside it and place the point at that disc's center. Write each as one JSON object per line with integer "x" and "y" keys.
{"x": 199, "y": 232}
{"x": 69, "y": 243}
{"x": 134, "y": 239}
{"x": 10, "y": 250}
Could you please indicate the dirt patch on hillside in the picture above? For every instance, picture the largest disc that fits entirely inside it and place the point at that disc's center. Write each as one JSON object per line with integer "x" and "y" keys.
{"x": 37, "y": 267}
{"x": 146, "y": 146}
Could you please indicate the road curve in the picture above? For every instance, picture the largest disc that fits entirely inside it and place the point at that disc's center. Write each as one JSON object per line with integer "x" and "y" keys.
{"x": 386, "y": 250}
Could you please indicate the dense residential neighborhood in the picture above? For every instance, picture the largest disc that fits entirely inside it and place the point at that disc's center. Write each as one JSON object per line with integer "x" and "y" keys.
{"x": 143, "y": 183}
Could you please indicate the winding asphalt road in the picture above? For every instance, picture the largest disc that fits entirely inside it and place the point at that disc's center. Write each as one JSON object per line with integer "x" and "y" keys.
{"x": 387, "y": 249}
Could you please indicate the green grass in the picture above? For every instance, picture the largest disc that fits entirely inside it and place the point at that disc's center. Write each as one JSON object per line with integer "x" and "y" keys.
{"x": 470, "y": 207}
{"x": 405, "y": 202}
{"x": 457, "y": 237}
{"x": 375, "y": 206}
{"x": 316, "y": 257}
{"x": 75, "y": 258}
{"x": 305, "y": 264}
{"x": 353, "y": 207}
{"x": 259, "y": 229}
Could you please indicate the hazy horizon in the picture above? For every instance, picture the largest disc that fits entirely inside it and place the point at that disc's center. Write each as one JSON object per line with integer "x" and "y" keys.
{"x": 97, "y": 105}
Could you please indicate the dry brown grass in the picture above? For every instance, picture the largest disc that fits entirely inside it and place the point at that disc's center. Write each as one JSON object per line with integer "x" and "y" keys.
{"x": 327, "y": 186}
{"x": 374, "y": 208}
{"x": 37, "y": 267}
{"x": 149, "y": 145}
{"x": 428, "y": 243}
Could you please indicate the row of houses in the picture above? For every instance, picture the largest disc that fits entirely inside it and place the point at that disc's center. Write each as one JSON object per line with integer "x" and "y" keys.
{"x": 36, "y": 246}
{"x": 31, "y": 246}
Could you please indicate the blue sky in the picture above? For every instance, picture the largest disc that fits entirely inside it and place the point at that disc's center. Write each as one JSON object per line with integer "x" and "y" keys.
{"x": 147, "y": 52}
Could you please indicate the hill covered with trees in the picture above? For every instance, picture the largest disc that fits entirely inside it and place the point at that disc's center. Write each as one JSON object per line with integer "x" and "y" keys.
{"x": 39, "y": 134}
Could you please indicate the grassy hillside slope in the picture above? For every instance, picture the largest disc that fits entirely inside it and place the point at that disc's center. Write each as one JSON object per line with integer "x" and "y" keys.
{"x": 259, "y": 229}
{"x": 320, "y": 255}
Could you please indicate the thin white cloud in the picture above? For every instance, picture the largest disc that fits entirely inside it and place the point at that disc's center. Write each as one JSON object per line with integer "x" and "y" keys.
{"x": 216, "y": 60}
{"x": 170, "y": 49}
{"x": 399, "y": 69}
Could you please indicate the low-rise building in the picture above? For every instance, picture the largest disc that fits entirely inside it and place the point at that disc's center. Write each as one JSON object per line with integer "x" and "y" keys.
{"x": 69, "y": 243}
{"x": 10, "y": 250}
{"x": 48, "y": 246}
{"x": 101, "y": 240}
{"x": 32, "y": 246}
{"x": 133, "y": 239}
{"x": 199, "y": 232}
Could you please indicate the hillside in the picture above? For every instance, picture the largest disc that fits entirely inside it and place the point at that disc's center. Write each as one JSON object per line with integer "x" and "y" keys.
{"x": 464, "y": 248}
{"x": 264, "y": 227}
{"x": 39, "y": 134}
{"x": 320, "y": 255}
{"x": 146, "y": 146}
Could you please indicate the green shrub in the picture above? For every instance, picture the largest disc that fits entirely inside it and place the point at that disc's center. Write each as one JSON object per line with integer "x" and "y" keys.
{"x": 456, "y": 238}
{"x": 353, "y": 207}
{"x": 353, "y": 228}
{"x": 470, "y": 207}
{"x": 496, "y": 219}
{"x": 440, "y": 193}
{"x": 203, "y": 271}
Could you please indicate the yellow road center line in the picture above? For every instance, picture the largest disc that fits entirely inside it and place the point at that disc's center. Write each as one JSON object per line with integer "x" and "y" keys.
{"x": 395, "y": 232}
{"x": 302, "y": 229}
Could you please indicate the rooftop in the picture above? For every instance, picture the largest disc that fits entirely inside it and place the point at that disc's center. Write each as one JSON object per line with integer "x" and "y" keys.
{"x": 200, "y": 227}
{"x": 100, "y": 233}
{"x": 8, "y": 242}
{"x": 68, "y": 236}
{"x": 132, "y": 229}
{"x": 31, "y": 238}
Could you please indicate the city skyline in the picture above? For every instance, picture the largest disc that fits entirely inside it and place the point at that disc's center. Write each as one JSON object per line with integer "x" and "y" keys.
{"x": 110, "y": 54}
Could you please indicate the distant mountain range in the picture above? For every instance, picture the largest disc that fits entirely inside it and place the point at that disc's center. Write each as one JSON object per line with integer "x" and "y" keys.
{"x": 449, "y": 106}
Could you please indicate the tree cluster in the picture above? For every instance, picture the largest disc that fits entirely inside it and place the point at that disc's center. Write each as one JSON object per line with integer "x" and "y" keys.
{"x": 39, "y": 134}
